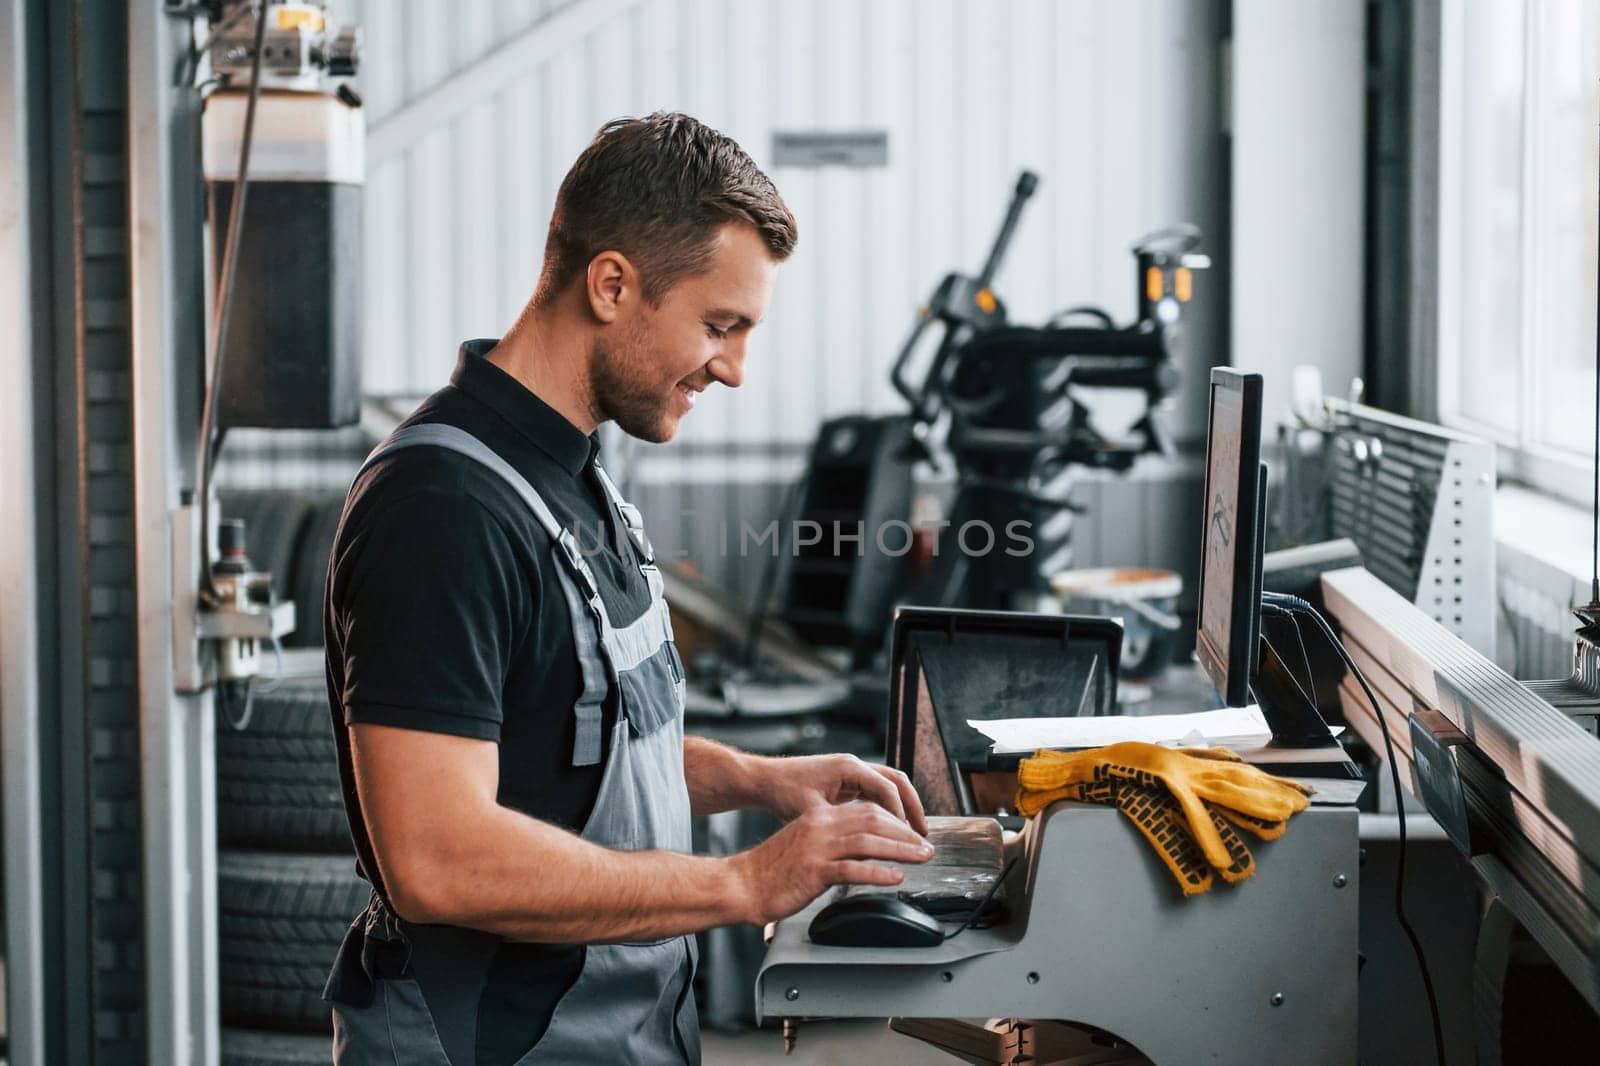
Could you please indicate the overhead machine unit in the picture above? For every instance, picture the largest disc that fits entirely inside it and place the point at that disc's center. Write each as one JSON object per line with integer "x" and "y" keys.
{"x": 282, "y": 137}
{"x": 293, "y": 333}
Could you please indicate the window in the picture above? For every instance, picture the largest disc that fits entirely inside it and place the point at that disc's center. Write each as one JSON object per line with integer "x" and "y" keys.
{"x": 1519, "y": 110}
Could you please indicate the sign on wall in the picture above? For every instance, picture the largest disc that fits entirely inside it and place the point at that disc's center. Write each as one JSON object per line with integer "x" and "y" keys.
{"x": 822, "y": 148}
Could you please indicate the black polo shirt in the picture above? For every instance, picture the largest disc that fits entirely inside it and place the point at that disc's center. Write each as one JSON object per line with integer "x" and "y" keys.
{"x": 444, "y": 615}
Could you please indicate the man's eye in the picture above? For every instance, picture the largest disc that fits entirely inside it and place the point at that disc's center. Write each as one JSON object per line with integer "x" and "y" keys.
{"x": 720, "y": 334}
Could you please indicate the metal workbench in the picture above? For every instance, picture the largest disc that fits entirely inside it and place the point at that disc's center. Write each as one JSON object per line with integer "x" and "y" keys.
{"x": 1099, "y": 935}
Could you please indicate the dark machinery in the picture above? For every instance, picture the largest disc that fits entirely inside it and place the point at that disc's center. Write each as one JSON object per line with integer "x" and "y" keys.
{"x": 980, "y": 370}
{"x": 1003, "y": 406}
{"x": 1019, "y": 422}
{"x": 278, "y": 133}
{"x": 858, "y": 492}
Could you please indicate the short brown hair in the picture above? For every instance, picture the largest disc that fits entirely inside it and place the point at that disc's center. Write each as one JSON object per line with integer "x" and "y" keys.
{"x": 657, "y": 189}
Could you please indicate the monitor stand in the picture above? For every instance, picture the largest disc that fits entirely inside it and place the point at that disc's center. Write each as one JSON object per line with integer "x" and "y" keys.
{"x": 1294, "y": 719}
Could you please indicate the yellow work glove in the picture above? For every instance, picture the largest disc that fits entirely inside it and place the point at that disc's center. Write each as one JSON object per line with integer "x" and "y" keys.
{"x": 1201, "y": 793}
{"x": 1160, "y": 819}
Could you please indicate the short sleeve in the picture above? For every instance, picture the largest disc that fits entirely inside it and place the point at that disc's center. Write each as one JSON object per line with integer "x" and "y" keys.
{"x": 426, "y": 601}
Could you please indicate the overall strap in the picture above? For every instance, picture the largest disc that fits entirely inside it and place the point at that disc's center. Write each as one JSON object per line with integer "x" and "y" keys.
{"x": 585, "y": 606}
{"x": 634, "y": 520}
{"x": 459, "y": 440}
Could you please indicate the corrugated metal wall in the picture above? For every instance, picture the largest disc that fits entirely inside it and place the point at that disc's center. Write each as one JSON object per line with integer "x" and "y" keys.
{"x": 476, "y": 110}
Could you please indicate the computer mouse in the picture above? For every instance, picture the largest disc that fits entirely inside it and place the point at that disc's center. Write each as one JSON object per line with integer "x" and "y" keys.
{"x": 875, "y": 921}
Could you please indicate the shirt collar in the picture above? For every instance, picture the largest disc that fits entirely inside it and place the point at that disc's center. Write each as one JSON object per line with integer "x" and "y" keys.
{"x": 542, "y": 424}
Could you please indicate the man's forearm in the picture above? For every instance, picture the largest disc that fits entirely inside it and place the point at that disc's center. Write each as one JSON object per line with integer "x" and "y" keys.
{"x": 524, "y": 879}
{"x": 720, "y": 778}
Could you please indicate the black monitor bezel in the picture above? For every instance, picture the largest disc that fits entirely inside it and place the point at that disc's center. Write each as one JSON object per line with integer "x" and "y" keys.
{"x": 1257, "y": 573}
{"x": 1232, "y": 668}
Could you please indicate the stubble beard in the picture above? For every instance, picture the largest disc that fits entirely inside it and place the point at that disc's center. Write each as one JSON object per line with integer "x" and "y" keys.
{"x": 616, "y": 372}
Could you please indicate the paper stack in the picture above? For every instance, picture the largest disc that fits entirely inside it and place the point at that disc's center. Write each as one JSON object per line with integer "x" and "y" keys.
{"x": 1231, "y": 727}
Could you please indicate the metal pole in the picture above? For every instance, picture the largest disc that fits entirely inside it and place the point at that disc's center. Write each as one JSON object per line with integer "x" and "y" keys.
{"x": 176, "y": 732}
{"x": 19, "y": 593}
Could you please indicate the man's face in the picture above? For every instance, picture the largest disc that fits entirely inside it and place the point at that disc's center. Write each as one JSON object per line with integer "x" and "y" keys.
{"x": 647, "y": 378}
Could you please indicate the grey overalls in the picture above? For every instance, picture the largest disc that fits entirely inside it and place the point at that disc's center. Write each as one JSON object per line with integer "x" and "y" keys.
{"x": 632, "y": 1002}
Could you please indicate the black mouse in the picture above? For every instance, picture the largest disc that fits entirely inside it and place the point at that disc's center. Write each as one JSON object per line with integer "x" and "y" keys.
{"x": 875, "y": 921}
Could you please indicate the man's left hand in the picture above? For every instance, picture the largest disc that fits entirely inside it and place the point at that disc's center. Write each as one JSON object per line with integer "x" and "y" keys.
{"x": 792, "y": 786}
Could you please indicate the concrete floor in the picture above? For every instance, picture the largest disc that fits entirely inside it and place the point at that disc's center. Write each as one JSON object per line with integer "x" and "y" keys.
{"x": 823, "y": 1044}
{"x": 820, "y": 1044}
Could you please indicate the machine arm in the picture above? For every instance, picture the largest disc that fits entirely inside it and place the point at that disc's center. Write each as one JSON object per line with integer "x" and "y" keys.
{"x": 1027, "y": 183}
{"x": 965, "y": 306}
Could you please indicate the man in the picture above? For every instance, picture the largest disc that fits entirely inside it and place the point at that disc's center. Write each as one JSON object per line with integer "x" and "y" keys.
{"x": 509, "y": 708}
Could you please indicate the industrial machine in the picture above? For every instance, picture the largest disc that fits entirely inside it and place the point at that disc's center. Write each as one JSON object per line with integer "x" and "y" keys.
{"x": 1003, "y": 408}
{"x": 858, "y": 484}
{"x": 1417, "y": 500}
{"x": 282, "y": 153}
{"x": 1093, "y": 928}
{"x": 1012, "y": 403}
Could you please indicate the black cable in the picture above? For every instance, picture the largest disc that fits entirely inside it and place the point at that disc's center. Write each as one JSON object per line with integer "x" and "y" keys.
{"x": 1311, "y": 674}
{"x": 988, "y": 898}
{"x": 1294, "y": 605}
{"x": 225, "y": 281}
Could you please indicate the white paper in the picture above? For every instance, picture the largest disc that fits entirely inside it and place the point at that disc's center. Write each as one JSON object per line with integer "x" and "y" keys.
{"x": 1228, "y": 727}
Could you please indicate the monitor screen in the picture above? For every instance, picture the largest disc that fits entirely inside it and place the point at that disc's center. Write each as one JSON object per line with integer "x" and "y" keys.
{"x": 1231, "y": 537}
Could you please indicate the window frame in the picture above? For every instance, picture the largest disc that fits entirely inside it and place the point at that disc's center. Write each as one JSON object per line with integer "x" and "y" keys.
{"x": 1522, "y": 455}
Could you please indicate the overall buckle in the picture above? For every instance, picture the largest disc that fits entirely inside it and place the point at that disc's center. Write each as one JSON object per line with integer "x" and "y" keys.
{"x": 569, "y": 547}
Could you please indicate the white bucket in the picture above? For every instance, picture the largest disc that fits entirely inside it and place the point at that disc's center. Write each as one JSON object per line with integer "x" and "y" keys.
{"x": 1145, "y": 601}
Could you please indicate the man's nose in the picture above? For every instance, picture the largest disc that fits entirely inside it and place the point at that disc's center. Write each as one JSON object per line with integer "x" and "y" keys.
{"x": 727, "y": 366}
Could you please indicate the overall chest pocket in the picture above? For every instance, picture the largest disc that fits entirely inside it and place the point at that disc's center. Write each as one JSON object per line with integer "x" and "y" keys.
{"x": 652, "y": 691}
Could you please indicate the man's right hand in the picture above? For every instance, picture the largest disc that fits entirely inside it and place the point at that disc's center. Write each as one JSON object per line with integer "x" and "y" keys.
{"x": 825, "y": 846}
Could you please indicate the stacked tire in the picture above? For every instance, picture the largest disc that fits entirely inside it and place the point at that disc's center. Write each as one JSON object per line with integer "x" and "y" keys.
{"x": 287, "y": 887}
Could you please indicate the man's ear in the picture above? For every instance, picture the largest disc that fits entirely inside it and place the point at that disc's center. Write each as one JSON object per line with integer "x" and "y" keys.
{"x": 612, "y": 284}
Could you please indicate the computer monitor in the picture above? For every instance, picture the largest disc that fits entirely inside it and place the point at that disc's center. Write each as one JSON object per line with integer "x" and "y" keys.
{"x": 1233, "y": 535}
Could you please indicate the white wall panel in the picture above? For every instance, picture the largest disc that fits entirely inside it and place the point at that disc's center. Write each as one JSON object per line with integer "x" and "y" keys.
{"x": 484, "y": 190}
{"x": 888, "y": 229}
{"x": 384, "y": 328}
{"x": 1299, "y": 136}
{"x": 750, "y": 107}
{"x": 1115, "y": 104}
{"x": 430, "y": 223}
{"x": 523, "y": 185}
{"x": 429, "y": 54}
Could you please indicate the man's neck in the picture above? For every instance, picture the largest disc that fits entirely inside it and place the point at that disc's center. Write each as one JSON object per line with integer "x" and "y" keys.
{"x": 550, "y": 358}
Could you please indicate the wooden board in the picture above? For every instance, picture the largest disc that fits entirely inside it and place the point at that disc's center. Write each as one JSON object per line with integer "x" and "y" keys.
{"x": 1548, "y": 760}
